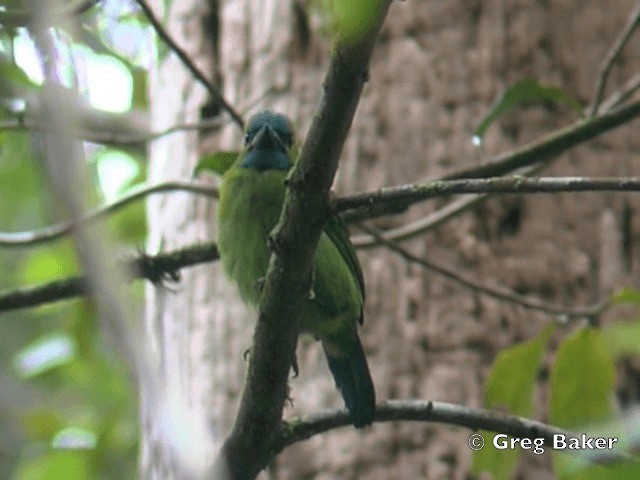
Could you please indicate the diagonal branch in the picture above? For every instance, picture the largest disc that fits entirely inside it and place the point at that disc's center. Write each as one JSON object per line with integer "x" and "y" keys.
{"x": 500, "y": 293}
{"x": 614, "y": 53}
{"x": 551, "y": 145}
{"x": 184, "y": 57}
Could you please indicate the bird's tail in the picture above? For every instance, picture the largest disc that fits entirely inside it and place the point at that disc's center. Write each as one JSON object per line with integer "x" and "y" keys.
{"x": 352, "y": 377}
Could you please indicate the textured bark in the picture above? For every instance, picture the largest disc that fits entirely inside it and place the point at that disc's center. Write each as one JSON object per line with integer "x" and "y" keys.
{"x": 435, "y": 71}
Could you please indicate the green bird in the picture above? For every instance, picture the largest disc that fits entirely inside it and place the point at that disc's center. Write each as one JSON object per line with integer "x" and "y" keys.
{"x": 249, "y": 205}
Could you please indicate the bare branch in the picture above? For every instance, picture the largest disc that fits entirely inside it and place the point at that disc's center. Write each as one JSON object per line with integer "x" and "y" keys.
{"x": 409, "y": 194}
{"x": 52, "y": 232}
{"x": 433, "y": 220}
{"x": 499, "y": 293}
{"x": 422, "y": 225}
{"x": 616, "y": 99}
{"x": 184, "y": 57}
{"x": 440, "y": 412}
{"x": 154, "y": 268}
{"x": 612, "y": 56}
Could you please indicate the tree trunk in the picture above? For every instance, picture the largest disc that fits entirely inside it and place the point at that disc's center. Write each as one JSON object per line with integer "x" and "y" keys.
{"x": 437, "y": 68}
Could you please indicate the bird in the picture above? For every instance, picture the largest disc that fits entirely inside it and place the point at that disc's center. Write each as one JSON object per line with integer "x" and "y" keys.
{"x": 250, "y": 200}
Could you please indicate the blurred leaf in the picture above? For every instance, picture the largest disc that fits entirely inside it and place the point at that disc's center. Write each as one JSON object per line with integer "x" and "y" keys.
{"x": 570, "y": 466}
{"x": 582, "y": 380}
{"x": 353, "y": 19}
{"x": 48, "y": 264}
{"x": 499, "y": 463}
{"x": 44, "y": 354}
{"x": 581, "y": 384}
{"x": 515, "y": 392}
{"x": 14, "y": 82}
{"x": 510, "y": 386}
{"x": 623, "y": 337}
{"x": 116, "y": 171}
{"x": 626, "y": 295}
{"x": 58, "y": 465}
{"x": 524, "y": 91}
{"x": 218, "y": 162}
{"x": 140, "y": 94}
{"x": 22, "y": 189}
{"x": 41, "y": 424}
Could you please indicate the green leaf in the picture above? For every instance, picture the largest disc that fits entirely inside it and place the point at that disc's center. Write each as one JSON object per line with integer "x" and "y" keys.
{"x": 500, "y": 463}
{"x": 218, "y": 162}
{"x": 48, "y": 264}
{"x": 527, "y": 90}
{"x": 58, "y": 465}
{"x": 14, "y": 82}
{"x": 354, "y": 19}
{"x": 41, "y": 424}
{"x": 626, "y": 296}
{"x": 574, "y": 466}
{"x": 512, "y": 392}
{"x": 582, "y": 380}
{"x": 623, "y": 337}
{"x": 581, "y": 384}
{"x": 510, "y": 386}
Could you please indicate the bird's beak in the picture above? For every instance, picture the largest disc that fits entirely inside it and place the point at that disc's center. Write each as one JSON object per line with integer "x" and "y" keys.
{"x": 267, "y": 138}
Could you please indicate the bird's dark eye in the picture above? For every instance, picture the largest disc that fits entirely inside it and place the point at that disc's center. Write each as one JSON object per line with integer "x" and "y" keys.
{"x": 247, "y": 138}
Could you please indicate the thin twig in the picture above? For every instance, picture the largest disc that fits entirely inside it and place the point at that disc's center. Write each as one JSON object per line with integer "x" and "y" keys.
{"x": 184, "y": 57}
{"x": 450, "y": 414}
{"x": 52, "y": 232}
{"x": 499, "y": 293}
{"x": 154, "y": 268}
{"x": 611, "y": 57}
{"x": 115, "y": 138}
{"x": 616, "y": 99}
{"x": 422, "y": 225}
{"x": 409, "y": 194}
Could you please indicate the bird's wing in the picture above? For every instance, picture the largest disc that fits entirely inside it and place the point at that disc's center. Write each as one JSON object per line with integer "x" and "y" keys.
{"x": 337, "y": 232}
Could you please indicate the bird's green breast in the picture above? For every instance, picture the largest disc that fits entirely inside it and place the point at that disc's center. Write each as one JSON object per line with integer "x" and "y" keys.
{"x": 248, "y": 210}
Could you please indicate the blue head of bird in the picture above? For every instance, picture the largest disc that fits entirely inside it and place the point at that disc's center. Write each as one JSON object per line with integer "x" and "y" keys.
{"x": 268, "y": 142}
